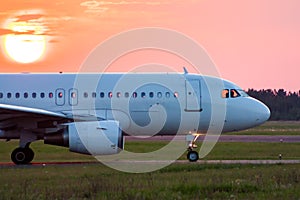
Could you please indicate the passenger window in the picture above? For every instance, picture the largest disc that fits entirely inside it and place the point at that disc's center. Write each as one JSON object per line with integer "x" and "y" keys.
{"x": 168, "y": 94}
{"x": 9, "y": 95}
{"x": 42, "y": 95}
{"x": 176, "y": 94}
{"x": 159, "y": 94}
{"x": 94, "y": 94}
{"x": 1, "y": 95}
{"x": 126, "y": 94}
{"x": 101, "y": 94}
{"x": 110, "y": 94}
{"x": 73, "y": 95}
{"x": 17, "y": 95}
{"x": 134, "y": 95}
{"x": 60, "y": 95}
{"x": 50, "y": 95}
{"x": 85, "y": 95}
{"x": 25, "y": 95}
{"x": 234, "y": 93}
{"x": 151, "y": 94}
{"x": 34, "y": 95}
{"x": 118, "y": 94}
{"x": 225, "y": 93}
{"x": 143, "y": 95}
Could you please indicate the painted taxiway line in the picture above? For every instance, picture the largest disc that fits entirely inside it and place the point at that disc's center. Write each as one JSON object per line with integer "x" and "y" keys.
{"x": 258, "y": 162}
{"x": 254, "y": 162}
{"x": 43, "y": 164}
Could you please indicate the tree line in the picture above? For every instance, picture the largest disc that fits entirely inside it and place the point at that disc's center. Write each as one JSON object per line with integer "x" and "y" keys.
{"x": 283, "y": 105}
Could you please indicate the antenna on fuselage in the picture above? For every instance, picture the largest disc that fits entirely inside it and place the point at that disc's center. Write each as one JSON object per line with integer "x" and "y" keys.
{"x": 185, "y": 70}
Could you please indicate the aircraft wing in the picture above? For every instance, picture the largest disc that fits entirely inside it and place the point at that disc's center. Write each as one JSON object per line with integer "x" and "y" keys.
{"x": 7, "y": 111}
{"x": 10, "y": 114}
{"x": 27, "y": 118}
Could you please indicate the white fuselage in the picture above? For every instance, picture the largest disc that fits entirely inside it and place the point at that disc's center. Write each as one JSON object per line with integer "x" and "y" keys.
{"x": 144, "y": 104}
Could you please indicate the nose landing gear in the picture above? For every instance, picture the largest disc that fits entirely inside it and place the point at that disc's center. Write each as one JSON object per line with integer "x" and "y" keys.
{"x": 192, "y": 155}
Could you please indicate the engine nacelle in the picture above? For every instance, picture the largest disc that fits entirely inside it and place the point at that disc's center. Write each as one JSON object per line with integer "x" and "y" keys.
{"x": 95, "y": 137}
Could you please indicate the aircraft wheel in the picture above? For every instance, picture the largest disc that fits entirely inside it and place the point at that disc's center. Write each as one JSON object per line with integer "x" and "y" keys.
{"x": 192, "y": 156}
{"x": 22, "y": 156}
{"x": 30, "y": 154}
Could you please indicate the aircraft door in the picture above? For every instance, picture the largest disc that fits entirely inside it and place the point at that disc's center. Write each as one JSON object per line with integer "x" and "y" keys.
{"x": 193, "y": 95}
{"x": 60, "y": 97}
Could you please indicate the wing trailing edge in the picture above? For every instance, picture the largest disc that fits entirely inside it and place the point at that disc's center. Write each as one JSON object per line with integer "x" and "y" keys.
{"x": 29, "y": 111}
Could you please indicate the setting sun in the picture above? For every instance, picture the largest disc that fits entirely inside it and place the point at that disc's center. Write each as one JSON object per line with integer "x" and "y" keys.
{"x": 25, "y": 43}
{"x": 24, "y": 48}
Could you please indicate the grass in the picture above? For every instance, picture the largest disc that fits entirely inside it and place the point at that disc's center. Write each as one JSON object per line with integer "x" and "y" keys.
{"x": 178, "y": 181}
{"x": 231, "y": 150}
{"x": 222, "y": 150}
{"x": 272, "y": 128}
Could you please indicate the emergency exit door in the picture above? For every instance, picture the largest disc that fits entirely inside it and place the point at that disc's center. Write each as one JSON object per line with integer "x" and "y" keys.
{"x": 60, "y": 97}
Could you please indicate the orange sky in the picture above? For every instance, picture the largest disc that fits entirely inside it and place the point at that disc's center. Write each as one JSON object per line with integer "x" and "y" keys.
{"x": 254, "y": 43}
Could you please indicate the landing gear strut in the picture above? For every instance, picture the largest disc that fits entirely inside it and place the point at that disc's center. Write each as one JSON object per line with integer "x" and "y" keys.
{"x": 21, "y": 156}
{"x": 192, "y": 155}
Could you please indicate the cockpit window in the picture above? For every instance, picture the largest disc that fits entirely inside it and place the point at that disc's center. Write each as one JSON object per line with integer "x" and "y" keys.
{"x": 234, "y": 93}
{"x": 225, "y": 93}
{"x": 243, "y": 93}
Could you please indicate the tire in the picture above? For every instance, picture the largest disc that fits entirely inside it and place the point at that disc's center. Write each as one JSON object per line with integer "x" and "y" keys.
{"x": 21, "y": 156}
{"x": 29, "y": 154}
{"x": 192, "y": 156}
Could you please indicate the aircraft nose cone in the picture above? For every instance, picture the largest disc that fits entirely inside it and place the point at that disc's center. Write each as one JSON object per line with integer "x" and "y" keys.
{"x": 263, "y": 113}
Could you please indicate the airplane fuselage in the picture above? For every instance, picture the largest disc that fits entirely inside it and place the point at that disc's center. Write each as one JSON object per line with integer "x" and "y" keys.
{"x": 36, "y": 105}
{"x": 131, "y": 99}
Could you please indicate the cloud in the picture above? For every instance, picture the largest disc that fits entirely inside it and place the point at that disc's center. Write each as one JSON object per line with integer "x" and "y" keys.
{"x": 90, "y": 3}
{"x": 105, "y": 3}
{"x": 102, "y": 6}
{"x": 93, "y": 7}
{"x": 53, "y": 41}
{"x": 28, "y": 17}
{"x": 4, "y": 31}
{"x": 129, "y": 2}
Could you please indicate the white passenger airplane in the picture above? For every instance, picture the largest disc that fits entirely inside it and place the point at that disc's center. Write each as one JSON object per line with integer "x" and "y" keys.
{"x": 53, "y": 107}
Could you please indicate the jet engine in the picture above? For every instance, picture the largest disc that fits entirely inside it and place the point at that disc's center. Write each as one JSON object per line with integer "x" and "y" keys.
{"x": 94, "y": 137}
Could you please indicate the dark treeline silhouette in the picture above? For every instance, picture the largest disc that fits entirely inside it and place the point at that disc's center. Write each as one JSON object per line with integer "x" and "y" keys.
{"x": 283, "y": 105}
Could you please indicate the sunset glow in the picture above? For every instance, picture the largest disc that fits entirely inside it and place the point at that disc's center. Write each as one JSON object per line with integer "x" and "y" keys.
{"x": 253, "y": 43}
